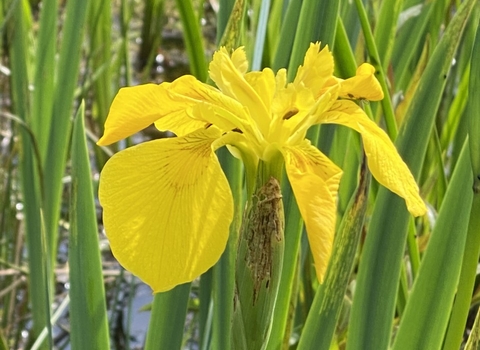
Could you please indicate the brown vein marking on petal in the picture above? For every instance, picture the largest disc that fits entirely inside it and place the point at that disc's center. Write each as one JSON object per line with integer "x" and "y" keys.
{"x": 208, "y": 125}
{"x": 234, "y": 130}
{"x": 353, "y": 97}
{"x": 290, "y": 113}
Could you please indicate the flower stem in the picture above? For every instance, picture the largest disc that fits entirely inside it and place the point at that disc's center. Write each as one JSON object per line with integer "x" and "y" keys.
{"x": 259, "y": 262}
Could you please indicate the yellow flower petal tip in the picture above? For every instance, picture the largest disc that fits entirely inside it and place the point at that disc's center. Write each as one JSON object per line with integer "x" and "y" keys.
{"x": 363, "y": 86}
{"x": 167, "y": 204}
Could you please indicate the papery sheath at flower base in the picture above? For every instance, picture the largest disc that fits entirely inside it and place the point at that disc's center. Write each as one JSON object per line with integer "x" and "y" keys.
{"x": 166, "y": 203}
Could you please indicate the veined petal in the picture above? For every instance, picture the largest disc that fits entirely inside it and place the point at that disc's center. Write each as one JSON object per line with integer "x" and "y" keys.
{"x": 315, "y": 179}
{"x": 167, "y": 208}
{"x": 264, "y": 84}
{"x": 188, "y": 93}
{"x": 299, "y": 126}
{"x": 317, "y": 69}
{"x": 290, "y": 108}
{"x": 383, "y": 159}
{"x": 135, "y": 108}
{"x": 363, "y": 86}
{"x": 230, "y": 80}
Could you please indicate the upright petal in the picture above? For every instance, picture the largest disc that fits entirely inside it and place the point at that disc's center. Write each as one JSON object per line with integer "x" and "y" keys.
{"x": 167, "y": 208}
{"x": 316, "y": 70}
{"x": 225, "y": 72}
{"x": 383, "y": 159}
{"x": 315, "y": 179}
{"x": 135, "y": 108}
{"x": 264, "y": 84}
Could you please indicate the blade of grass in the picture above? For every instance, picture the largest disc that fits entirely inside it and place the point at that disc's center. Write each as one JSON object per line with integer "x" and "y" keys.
{"x": 87, "y": 307}
{"x": 472, "y": 248}
{"x": 29, "y": 174}
{"x": 287, "y": 35}
{"x": 411, "y": 35}
{"x": 165, "y": 330}
{"x": 473, "y": 342}
{"x": 152, "y": 25}
{"x": 100, "y": 33}
{"x": 376, "y": 61}
{"x": 260, "y": 35}
{"x": 192, "y": 32}
{"x": 234, "y": 29}
{"x": 67, "y": 74}
{"x": 224, "y": 11}
{"x": 46, "y": 332}
{"x": 385, "y": 29}
{"x": 425, "y": 319}
{"x": 379, "y": 271}
{"x": 42, "y": 98}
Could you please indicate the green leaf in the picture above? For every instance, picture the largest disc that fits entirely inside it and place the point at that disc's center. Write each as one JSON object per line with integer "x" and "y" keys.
{"x": 30, "y": 173}
{"x": 385, "y": 29}
{"x": 193, "y": 39}
{"x": 461, "y": 306}
{"x": 88, "y": 315}
{"x": 43, "y": 95}
{"x": 169, "y": 309}
{"x": 224, "y": 270}
{"x": 68, "y": 67}
{"x": 377, "y": 284}
{"x": 428, "y": 308}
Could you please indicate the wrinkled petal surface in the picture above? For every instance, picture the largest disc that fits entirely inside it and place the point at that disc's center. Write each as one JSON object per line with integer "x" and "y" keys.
{"x": 167, "y": 208}
{"x": 316, "y": 70}
{"x": 383, "y": 159}
{"x": 315, "y": 179}
{"x": 227, "y": 71}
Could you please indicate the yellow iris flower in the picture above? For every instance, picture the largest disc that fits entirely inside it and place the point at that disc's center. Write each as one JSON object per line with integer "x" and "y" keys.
{"x": 167, "y": 205}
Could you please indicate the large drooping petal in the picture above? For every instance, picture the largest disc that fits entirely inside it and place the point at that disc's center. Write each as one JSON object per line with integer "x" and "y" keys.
{"x": 383, "y": 159}
{"x": 167, "y": 208}
{"x": 316, "y": 70}
{"x": 315, "y": 179}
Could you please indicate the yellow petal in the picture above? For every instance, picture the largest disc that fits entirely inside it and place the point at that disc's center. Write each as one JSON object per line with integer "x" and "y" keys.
{"x": 317, "y": 69}
{"x": 383, "y": 159}
{"x": 314, "y": 179}
{"x": 167, "y": 208}
{"x": 264, "y": 84}
{"x": 133, "y": 109}
{"x": 363, "y": 86}
{"x": 225, "y": 72}
{"x": 204, "y": 104}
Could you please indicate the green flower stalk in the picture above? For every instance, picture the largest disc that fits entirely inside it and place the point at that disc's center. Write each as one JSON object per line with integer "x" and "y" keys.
{"x": 259, "y": 264}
